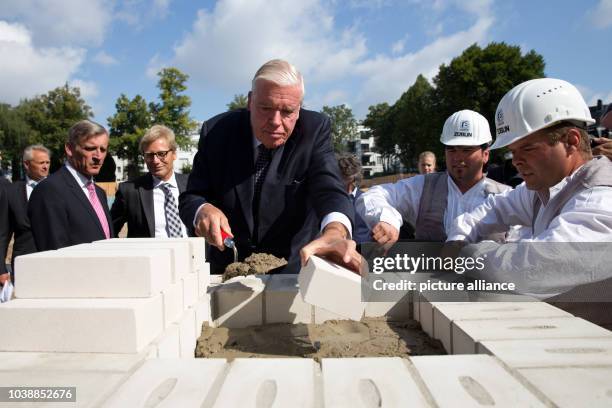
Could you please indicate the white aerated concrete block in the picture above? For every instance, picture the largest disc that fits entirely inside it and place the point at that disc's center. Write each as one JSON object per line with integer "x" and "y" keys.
{"x": 274, "y": 382}
{"x": 416, "y": 306}
{"x": 81, "y": 325}
{"x": 394, "y": 305}
{"x": 283, "y": 303}
{"x": 169, "y": 383}
{"x": 331, "y": 287}
{"x": 446, "y": 313}
{"x": 468, "y": 333}
{"x": 472, "y": 381}
{"x": 173, "y": 303}
{"x": 168, "y": 344}
{"x": 202, "y": 313}
{"x": 92, "y": 273}
{"x": 180, "y": 256}
{"x": 203, "y": 279}
{"x": 197, "y": 246}
{"x": 188, "y": 335}
{"x": 239, "y": 302}
{"x": 535, "y": 353}
{"x": 369, "y": 382}
{"x": 573, "y": 387}
{"x": 190, "y": 289}
{"x": 59, "y": 362}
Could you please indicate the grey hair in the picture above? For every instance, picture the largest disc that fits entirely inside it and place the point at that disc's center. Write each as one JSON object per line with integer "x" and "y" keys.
{"x": 28, "y": 151}
{"x": 158, "y": 132}
{"x": 83, "y": 130}
{"x": 425, "y": 154}
{"x": 279, "y": 72}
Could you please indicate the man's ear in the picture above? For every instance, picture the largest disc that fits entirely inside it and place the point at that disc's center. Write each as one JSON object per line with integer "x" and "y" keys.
{"x": 573, "y": 139}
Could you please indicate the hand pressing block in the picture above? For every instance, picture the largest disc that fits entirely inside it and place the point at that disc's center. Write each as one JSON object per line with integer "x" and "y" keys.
{"x": 331, "y": 287}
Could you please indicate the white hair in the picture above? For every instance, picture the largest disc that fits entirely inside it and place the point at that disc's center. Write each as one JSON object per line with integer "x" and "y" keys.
{"x": 279, "y": 72}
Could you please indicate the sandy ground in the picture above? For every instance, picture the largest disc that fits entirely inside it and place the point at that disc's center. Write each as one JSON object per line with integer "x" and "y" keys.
{"x": 372, "y": 337}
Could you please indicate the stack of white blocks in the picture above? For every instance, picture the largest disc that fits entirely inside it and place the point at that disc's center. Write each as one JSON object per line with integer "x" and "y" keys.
{"x": 513, "y": 353}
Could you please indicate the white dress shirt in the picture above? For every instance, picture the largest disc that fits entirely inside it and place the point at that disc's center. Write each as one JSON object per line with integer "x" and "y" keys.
{"x": 81, "y": 180}
{"x": 158, "y": 204}
{"x": 394, "y": 202}
{"x": 30, "y": 184}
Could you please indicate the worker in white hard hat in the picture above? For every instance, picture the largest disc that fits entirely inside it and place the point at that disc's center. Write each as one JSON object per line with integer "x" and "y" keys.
{"x": 566, "y": 196}
{"x": 430, "y": 202}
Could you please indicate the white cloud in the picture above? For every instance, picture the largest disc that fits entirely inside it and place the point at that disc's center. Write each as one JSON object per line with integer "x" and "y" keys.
{"x": 398, "y": 47}
{"x": 103, "y": 58}
{"x": 89, "y": 89}
{"x": 227, "y": 45}
{"x": 61, "y": 22}
{"x": 139, "y": 13}
{"x": 601, "y": 15}
{"x": 386, "y": 78}
{"x": 28, "y": 70}
{"x": 333, "y": 98}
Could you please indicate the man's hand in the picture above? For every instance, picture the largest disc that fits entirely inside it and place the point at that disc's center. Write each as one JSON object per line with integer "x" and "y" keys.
{"x": 5, "y": 277}
{"x": 209, "y": 222}
{"x": 385, "y": 234}
{"x": 334, "y": 246}
{"x": 603, "y": 146}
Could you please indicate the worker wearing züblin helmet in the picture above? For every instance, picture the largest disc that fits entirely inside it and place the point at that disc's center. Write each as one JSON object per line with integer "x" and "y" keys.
{"x": 567, "y": 193}
{"x": 430, "y": 202}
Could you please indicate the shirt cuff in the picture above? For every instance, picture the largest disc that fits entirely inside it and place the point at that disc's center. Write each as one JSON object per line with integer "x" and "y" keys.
{"x": 195, "y": 217}
{"x": 337, "y": 217}
{"x": 390, "y": 218}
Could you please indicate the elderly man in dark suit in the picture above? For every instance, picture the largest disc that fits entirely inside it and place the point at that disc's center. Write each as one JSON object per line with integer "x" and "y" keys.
{"x": 258, "y": 173}
{"x": 149, "y": 204}
{"x": 68, "y": 208}
{"x": 36, "y": 161}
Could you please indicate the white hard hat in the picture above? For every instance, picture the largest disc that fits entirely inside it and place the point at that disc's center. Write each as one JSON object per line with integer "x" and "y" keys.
{"x": 535, "y": 105}
{"x": 466, "y": 128}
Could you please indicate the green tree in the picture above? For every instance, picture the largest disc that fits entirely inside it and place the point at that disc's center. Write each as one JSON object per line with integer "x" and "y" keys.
{"x": 239, "y": 102}
{"x": 173, "y": 110}
{"x": 413, "y": 130}
{"x": 14, "y": 137}
{"x": 50, "y": 116}
{"x": 343, "y": 125}
{"x": 126, "y": 127}
{"x": 479, "y": 77}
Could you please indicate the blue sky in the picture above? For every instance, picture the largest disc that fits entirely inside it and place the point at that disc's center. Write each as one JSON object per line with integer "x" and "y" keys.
{"x": 358, "y": 52}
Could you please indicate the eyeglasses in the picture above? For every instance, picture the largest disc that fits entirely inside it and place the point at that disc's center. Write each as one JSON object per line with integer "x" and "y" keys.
{"x": 161, "y": 155}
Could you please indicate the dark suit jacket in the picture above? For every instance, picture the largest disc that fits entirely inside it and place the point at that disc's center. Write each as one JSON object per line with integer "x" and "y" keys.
{"x": 61, "y": 215}
{"x": 134, "y": 204}
{"x": 19, "y": 221}
{"x": 303, "y": 174}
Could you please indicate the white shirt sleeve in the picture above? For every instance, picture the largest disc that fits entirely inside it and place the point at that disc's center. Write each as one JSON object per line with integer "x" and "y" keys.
{"x": 495, "y": 215}
{"x": 337, "y": 217}
{"x": 391, "y": 203}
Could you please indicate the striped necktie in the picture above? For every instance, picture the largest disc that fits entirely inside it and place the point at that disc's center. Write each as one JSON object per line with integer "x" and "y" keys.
{"x": 173, "y": 221}
{"x": 95, "y": 203}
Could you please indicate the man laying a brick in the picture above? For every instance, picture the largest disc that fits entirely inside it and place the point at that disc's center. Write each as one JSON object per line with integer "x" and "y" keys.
{"x": 430, "y": 202}
{"x": 259, "y": 172}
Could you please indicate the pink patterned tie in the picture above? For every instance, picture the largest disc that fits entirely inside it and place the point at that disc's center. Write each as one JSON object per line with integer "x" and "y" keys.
{"x": 95, "y": 203}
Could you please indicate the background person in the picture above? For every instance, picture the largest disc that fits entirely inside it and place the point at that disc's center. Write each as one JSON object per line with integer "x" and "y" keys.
{"x": 149, "y": 204}
{"x": 68, "y": 208}
{"x": 351, "y": 171}
{"x": 427, "y": 162}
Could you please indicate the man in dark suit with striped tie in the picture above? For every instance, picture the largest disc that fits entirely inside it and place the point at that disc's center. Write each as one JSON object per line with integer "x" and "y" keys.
{"x": 68, "y": 208}
{"x": 149, "y": 204}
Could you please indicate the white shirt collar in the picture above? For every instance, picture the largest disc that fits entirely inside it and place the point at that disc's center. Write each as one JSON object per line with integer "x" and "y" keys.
{"x": 171, "y": 181}
{"x": 82, "y": 180}
{"x": 554, "y": 190}
{"x": 475, "y": 187}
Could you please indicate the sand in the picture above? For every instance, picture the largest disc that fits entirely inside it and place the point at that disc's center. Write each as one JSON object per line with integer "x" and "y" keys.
{"x": 372, "y": 337}
{"x": 256, "y": 264}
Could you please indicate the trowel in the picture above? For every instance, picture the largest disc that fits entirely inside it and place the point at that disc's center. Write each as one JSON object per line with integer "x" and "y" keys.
{"x": 229, "y": 242}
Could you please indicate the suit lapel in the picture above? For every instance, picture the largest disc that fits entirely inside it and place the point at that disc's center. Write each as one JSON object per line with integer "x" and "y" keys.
{"x": 243, "y": 171}
{"x": 146, "y": 199}
{"x": 79, "y": 195}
